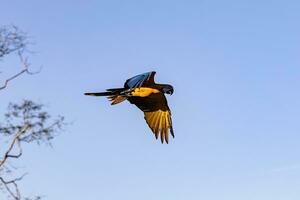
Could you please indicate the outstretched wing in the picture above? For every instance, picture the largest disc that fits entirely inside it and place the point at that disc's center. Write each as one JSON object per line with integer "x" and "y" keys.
{"x": 156, "y": 113}
{"x": 160, "y": 122}
{"x": 141, "y": 80}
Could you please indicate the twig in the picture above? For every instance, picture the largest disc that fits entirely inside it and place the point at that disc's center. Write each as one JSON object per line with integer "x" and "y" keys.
{"x": 13, "y": 182}
{"x": 26, "y": 65}
{"x": 15, "y": 139}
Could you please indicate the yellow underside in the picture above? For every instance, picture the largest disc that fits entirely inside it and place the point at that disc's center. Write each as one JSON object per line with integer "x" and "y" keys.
{"x": 143, "y": 92}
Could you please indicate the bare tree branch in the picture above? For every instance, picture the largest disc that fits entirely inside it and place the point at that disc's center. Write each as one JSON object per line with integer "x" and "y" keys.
{"x": 11, "y": 146}
{"x": 26, "y": 122}
{"x": 25, "y": 66}
{"x": 12, "y": 183}
{"x": 13, "y": 40}
{"x": 7, "y": 184}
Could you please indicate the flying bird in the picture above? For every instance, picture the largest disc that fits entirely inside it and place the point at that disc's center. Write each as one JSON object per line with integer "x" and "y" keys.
{"x": 148, "y": 96}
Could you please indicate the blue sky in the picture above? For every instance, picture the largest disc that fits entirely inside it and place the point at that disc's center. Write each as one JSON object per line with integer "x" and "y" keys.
{"x": 235, "y": 67}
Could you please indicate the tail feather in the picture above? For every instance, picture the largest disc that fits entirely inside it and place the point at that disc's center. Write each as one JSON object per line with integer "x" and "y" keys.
{"x": 112, "y": 91}
{"x": 98, "y": 93}
{"x": 116, "y": 99}
{"x": 115, "y": 89}
{"x": 112, "y": 94}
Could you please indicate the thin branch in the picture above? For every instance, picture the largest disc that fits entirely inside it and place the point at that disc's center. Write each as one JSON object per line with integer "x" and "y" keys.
{"x": 16, "y": 195}
{"x": 11, "y": 78}
{"x": 15, "y": 139}
{"x": 11, "y": 40}
{"x": 26, "y": 65}
{"x": 6, "y": 185}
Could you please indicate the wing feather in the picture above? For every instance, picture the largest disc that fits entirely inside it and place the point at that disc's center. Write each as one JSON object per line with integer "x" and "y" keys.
{"x": 166, "y": 128}
{"x": 140, "y": 80}
{"x": 151, "y": 118}
{"x": 156, "y": 113}
{"x": 159, "y": 122}
{"x": 156, "y": 126}
{"x": 160, "y": 127}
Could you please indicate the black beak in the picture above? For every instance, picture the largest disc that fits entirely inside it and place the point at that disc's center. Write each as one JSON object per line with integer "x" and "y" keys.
{"x": 170, "y": 92}
{"x": 168, "y": 89}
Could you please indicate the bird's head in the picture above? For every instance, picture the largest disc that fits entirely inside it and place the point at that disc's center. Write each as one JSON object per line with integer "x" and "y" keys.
{"x": 168, "y": 89}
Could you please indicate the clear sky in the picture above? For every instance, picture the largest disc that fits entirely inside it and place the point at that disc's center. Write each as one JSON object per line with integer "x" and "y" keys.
{"x": 235, "y": 67}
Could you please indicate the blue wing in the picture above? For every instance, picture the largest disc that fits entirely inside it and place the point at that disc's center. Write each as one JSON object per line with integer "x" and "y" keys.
{"x": 141, "y": 80}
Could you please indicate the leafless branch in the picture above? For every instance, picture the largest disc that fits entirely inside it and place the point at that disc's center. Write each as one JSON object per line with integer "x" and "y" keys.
{"x": 12, "y": 39}
{"x": 11, "y": 146}
{"x": 23, "y": 123}
{"x": 25, "y": 66}
{"x": 13, "y": 183}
